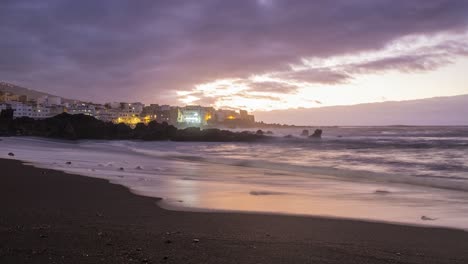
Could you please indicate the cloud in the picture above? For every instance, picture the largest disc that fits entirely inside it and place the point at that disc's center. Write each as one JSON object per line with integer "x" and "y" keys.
{"x": 273, "y": 87}
{"x": 320, "y": 76}
{"x": 121, "y": 49}
{"x": 407, "y": 55}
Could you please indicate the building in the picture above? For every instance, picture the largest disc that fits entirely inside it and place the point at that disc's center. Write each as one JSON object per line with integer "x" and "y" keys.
{"x": 40, "y": 112}
{"x": 56, "y": 110}
{"x": 244, "y": 116}
{"x": 223, "y": 115}
{"x": 81, "y": 108}
{"x": 23, "y": 99}
{"x": 194, "y": 115}
{"x": 49, "y": 100}
{"x": 161, "y": 113}
{"x": 107, "y": 114}
{"x": 8, "y": 97}
{"x": 19, "y": 109}
{"x": 54, "y": 101}
{"x": 25, "y": 110}
{"x": 135, "y": 108}
{"x": 120, "y": 112}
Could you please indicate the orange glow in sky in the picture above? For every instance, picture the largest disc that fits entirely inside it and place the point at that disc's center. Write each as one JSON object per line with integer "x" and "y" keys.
{"x": 412, "y": 67}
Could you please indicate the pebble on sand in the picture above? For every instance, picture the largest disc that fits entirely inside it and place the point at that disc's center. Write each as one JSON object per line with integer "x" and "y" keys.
{"x": 11, "y": 154}
{"x": 383, "y": 192}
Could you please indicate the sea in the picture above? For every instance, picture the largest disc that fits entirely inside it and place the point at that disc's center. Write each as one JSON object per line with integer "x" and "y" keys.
{"x": 399, "y": 174}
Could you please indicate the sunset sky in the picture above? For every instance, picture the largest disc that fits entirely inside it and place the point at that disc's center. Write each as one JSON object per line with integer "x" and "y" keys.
{"x": 249, "y": 54}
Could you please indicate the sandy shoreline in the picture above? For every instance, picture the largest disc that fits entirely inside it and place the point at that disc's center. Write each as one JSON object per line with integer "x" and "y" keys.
{"x": 53, "y": 217}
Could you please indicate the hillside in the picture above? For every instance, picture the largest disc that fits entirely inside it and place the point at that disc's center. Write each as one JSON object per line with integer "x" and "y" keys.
{"x": 32, "y": 94}
{"x": 451, "y": 110}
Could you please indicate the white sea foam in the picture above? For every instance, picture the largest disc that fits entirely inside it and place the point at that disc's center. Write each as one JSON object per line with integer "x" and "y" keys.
{"x": 399, "y": 176}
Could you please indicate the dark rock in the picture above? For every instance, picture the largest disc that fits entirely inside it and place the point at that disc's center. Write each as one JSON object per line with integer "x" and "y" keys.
{"x": 213, "y": 135}
{"x": 269, "y": 132}
{"x": 425, "y": 218}
{"x": 317, "y": 134}
{"x": 121, "y": 169}
{"x": 11, "y": 154}
{"x": 81, "y": 126}
{"x": 305, "y": 133}
{"x": 68, "y": 162}
{"x": 259, "y": 132}
{"x": 382, "y": 192}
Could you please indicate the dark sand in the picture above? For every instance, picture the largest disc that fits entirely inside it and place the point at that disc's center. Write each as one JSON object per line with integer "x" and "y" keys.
{"x": 51, "y": 217}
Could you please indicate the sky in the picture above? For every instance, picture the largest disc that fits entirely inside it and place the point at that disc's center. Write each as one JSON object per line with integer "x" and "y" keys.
{"x": 257, "y": 55}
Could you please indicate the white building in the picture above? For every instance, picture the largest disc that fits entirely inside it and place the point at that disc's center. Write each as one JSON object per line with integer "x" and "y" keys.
{"x": 137, "y": 107}
{"x": 24, "y": 110}
{"x": 134, "y": 108}
{"x": 85, "y": 109}
{"x": 40, "y": 112}
{"x": 108, "y": 115}
{"x": 193, "y": 115}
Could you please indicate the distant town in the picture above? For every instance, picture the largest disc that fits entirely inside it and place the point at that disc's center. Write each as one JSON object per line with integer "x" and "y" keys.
{"x": 130, "y": 113}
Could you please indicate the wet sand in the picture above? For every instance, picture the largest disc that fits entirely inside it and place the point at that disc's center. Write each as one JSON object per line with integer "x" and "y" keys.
{"x": 53, "y": 217}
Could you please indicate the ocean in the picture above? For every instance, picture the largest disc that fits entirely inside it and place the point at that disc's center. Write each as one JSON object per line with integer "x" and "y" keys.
{"x": 408, "y": 175}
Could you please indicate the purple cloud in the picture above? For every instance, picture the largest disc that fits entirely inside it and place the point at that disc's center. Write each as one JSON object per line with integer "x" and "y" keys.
{"x": 146, "y": 50}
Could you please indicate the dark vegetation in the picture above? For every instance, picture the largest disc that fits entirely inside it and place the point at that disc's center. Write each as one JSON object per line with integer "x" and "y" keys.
{"x": 66, "y": 126}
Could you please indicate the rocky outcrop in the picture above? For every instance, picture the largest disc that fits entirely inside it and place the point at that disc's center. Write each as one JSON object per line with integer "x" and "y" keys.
{"x": 73, "y": 127}
{"x": 317, "y": 134}
{"x": 215, "y": 135}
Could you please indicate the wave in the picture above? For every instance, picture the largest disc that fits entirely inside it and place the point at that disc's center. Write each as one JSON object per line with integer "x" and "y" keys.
{"x": 281, "y": 169}
{"x": 278, "y": 160}
{"x": 273, "y": 176}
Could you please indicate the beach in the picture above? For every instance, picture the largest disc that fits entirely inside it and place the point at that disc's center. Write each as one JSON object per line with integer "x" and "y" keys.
{"x": 53, "y": 217}
{"x": 376, "y": 174}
